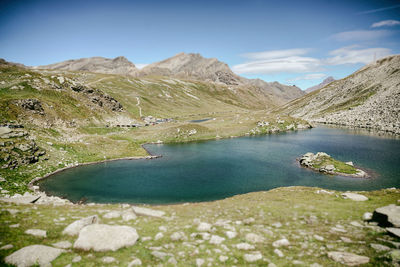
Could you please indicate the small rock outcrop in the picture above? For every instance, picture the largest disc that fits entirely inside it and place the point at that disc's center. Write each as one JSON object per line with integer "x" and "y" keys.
{"x": 388, "y": 216}
{"x": 324, "y": 163}
{"x": 348, "y": 259}
{"x": 32, "y": 105}
{"x": 103, "y": 237}
{"x": 33, "y": 255}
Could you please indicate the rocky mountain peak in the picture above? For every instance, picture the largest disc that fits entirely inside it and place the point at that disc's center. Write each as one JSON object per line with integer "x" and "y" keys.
{"x": 326, "y": 81}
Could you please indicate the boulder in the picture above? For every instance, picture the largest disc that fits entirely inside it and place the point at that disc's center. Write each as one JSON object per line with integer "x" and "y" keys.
{"x": 254, "y": 238}
{"x": 347, "y": 258}
{"x": 252, "y": 257}
{"x": 216, "y": 240}
{"x": 26, "y": 199}
{"x": 281, "y": 243}
{"x": 354, "y": 196}
{"x": 36, "y": 232}
{"x": 388, "y": 216}
{"x": 33, "y": 255}
{"x": 204, "y": 227}
{"x": 75, "y": 227}
{"x": 102, "y": 237}
{"x": 62, "y": 244}
{"x": 148, "y": 212}
{"x": 393, "y": 231}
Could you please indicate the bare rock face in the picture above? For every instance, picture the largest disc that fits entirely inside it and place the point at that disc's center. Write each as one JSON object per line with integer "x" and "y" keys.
{"x": 369, "y": 98}
{"x": 32, "y": 255}
{"x": 118, "y": 65}
{"x": 103, "y": 237}
{"x": 321, "y": 85}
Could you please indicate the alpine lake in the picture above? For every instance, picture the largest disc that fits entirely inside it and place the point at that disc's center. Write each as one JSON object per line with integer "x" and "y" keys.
{"x": 211, "y": 170}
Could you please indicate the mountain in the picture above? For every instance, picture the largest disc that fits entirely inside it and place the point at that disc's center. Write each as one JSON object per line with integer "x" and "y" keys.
{"x": 195, "y": 66}
{"x": 319, "y": 86}
{"x": 119, "y": 65}
{"x": 368, "y": 98}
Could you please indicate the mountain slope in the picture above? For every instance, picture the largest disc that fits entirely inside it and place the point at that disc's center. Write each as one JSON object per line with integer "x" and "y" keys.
{"x": 118, "y": 65}
{"x": 319, "y": 86}
{"x": 369, "y": 98}
{"x": 194, "y": 66}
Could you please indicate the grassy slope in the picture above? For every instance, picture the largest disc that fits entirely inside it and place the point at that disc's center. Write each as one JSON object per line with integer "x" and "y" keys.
{"x": 301, "y": 211}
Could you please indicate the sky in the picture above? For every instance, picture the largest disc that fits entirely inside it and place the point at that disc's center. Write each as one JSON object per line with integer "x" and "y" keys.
{"x": 292, "y": 42}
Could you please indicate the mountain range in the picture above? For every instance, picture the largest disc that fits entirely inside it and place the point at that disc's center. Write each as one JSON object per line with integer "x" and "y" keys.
{"x": 183, "y": 66}
{"x": 319, "y": 86}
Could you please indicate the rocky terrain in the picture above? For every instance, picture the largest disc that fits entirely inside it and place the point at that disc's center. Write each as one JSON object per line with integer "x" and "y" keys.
{"x": 324, "y": 163}
{"x": 293, "y": 226}
{"x": 118, "y": 65}
{"x": 319, "y": 86}
{"x": 369, "y": 98}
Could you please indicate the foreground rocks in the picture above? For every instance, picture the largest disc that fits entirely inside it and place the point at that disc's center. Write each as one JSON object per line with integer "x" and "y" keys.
{"x": 102, "y": 237}
{"x": 347, "y": 258}
{"x": 75, "y": 227}
{"x": 388, "y": 216}
{"x": 32, "y": 255}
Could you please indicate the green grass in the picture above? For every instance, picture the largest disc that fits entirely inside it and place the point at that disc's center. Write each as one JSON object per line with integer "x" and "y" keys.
{"x": 340, "y": 166}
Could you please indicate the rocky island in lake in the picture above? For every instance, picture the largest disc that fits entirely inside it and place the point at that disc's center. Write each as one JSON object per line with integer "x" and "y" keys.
{"x": 324, "y": 163}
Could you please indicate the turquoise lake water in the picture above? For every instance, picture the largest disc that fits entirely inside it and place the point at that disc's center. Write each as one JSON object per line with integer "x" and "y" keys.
{"x": 204, "y": 171}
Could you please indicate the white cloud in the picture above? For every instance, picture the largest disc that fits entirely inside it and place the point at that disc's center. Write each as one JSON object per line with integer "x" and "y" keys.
{"x": 362, "y": 35}
{"x": 140, "y": 66}
{"x": 273, "y": 54}
{"x": 352, "y": 55}
{"x": 310, "y": 76}
{"x": 379, "y": 9}
{"x": 272, "y": 63}
{"x": 382, "y": 23}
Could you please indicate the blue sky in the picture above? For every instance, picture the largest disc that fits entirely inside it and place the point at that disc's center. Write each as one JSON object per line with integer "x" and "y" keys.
{"x": 293, "y": 42}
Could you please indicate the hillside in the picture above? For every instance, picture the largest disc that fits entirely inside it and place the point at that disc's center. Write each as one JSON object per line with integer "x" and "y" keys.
{"x": 369, "y": 98}
{"x": 118, "y": 65}
{"x": 319, "y": 86}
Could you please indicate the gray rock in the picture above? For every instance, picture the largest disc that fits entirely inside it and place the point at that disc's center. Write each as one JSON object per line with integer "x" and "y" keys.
{"x": 135, "y": 262}
{"x": 367, "y": 216}
{"x": 347, "y": 258}
{"x": 379, "y": 247}
{"x": 244, "y": 246}
{"x": 32, "y": 255}
{"x": 278, "y": 252}
{"x": 204, "y": 227}
{"x": 20, "y": 199}
{"x": 254, "y": 238}
{"x": 177, "y": 236}
{"x": 388, "y": 216}
{"x": 216, "y": 240}
{"x": 6, "y": 247}
{"x": 252, "y": 257}
{"x": 159, "y": 254}
{"x": 62, "y": 244}
{"x": 75, "y": 227}
{"x": 393, "y": 231}
{"x": 102, "y": 237}
{"x": 128, "y": 216}
{"x": 36, "y": 232}
{"x": 112, "y": 215}
{"x": 148, "y": 212}
{"x": 281, "y": 243}
{"x": 354, "y": 196}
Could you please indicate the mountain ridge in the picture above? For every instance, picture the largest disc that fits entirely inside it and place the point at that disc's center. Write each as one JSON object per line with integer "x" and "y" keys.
{"x": 326, "y": 81}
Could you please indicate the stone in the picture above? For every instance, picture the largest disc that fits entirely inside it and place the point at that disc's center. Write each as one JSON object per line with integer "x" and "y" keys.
{"x": 172, "y": 261}
{"x": 297, "y": 262}
{"x": 148, "y": 212}
{"x": 108, "y": 259}
{"x": 354, "y": 196}
{"x": 281, "y": 243}
{"x": 33, "y": 255}
{"x": 159, "y": 254}
{"x": 36, "y": 232}
{"x": 135, "y": 262}
{"x": 356, "y": 224}
{"x": 128, "y": 216}
{"x": 393, "y": 231}
{"x": 27, "y": 199}
{"x": 244, "y": 246}
{"x": 112, "y": 215}
{"x": 62, "y": 244}
{"x": 231, "y": 234}
{"x": 252, "y": 257}
{"x": 367, "y": 216}
{"x": 379, "y": 247}
{"x": 102, "y": 237}
{"x": 278, "y": 252}
{"x": 346, "y": 239}
{"x": 77, "y": 259}
{"x": 223, "y": 258}
{"x": 318, "y": 237}
{"x": 348, "y": 258}
{"x": 199, "y": 262}
{"x": 277, "y": 225}
{"x": 6, "y": 247}
{"x": 204, "y": 227}
{"x": 254, "y": 238}
{"x": 158, "y": 236}
{"x": 216, "y": 240}
{"x": 388, "y": 216}
{"x": 177, "y": 236}
{"x": 75, "y": 227}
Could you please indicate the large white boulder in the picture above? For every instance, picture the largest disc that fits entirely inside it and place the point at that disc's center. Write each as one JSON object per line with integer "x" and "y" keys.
{"x": 33, "y": 255}
{"x": 103, "y": 237}
{"x": 75, "y": 227}
{"x": 387, "y": 216}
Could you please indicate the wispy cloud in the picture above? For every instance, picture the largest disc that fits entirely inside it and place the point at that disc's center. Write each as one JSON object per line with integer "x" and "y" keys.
{"x": 361, "y": 35}
{"x": 269, "y": 62}
{"x": 390, "y": 22}
{"x": 353, "y": 55}
{"x": 310, "y": 76}
{"x": 379, "y": 9}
